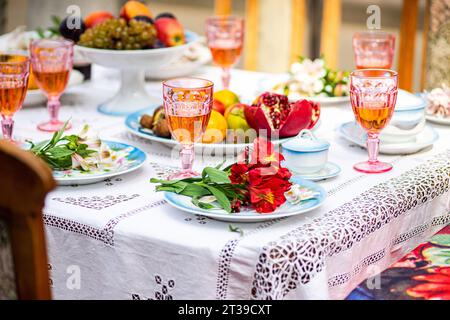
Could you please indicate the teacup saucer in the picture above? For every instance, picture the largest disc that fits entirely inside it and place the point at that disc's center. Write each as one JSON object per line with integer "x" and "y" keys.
{"x": 330, "y": 170}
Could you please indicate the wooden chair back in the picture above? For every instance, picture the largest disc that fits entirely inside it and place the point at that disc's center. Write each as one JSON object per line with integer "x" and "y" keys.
{"x": 24, "y": 183}
{"x": 435, "y": 66}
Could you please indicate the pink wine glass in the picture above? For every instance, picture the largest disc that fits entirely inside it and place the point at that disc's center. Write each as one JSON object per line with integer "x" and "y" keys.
{"x": 187, "y": 105}
{"x": 225, "y": 37}
{"x": 14, "y": 72}
{"x": 373, "y": 93}
{"x": 52, "y": 61}
{"x": 373, "y": 49}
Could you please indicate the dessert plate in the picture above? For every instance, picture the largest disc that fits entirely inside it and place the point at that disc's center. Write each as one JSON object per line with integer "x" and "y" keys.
{"x": 286, "y": 210}
{"x": 135, "y": 159}
{"x": 353, "y": 133}
{"x": 438, "y": 120}
{"x": 330, "y": 170}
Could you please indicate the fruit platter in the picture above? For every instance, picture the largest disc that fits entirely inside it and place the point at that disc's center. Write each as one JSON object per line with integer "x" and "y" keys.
{"x": 313, "y": 80}
{"x": 134, "y": 42}
{"x": 234, "y": 125}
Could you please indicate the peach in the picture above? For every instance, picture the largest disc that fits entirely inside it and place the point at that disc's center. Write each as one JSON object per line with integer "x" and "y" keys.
{"x": 134, "y": 8}
{"x": 96, "y": 17}
{"x": 170, "y": 32}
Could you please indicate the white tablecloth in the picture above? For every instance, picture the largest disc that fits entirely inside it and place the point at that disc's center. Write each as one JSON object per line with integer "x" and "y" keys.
{"x": 118, "y": 239}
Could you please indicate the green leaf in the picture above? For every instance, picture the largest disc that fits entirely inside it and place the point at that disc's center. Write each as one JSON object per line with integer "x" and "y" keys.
{"x": 217, "y": 176}
{"x": 222, "y": 199}
{"x": 56, "y": 20}
{"x": 220, "y": 165}
{"x": 177, "y": 187}
{"x": 60, "y": 151}
{"x": 236, "y": 229}
{"x": 202, "y": 205}
{"x": 194, "y": 190}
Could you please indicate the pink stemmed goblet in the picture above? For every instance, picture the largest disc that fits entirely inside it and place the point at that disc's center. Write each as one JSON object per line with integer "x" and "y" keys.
{"x": 373, "y": 93}
{"x": 52, "y": 61}
{"x": 14, "y": 72}
{"x": 225, "y": 37}
{"x": 373, "y": 49}
{"x": 187, "y": 105}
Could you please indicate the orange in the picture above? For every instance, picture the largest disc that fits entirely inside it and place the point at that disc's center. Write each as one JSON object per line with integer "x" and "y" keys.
{"x": 216, "y": 130}
{"x": 227, "y": 97}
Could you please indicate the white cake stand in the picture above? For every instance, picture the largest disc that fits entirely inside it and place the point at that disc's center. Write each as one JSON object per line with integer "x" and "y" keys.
{"x": 133, "y": 64}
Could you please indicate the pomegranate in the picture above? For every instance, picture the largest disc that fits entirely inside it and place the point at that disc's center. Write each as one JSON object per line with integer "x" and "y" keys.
{"x": 274, "y": 113}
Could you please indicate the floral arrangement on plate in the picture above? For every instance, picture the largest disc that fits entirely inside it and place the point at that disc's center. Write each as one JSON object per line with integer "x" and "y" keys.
{"x": 257, "y": 181}
{"x": 83, "y": 152}
{"x": 439, "y": 102}
{"x": 312, "y": 78}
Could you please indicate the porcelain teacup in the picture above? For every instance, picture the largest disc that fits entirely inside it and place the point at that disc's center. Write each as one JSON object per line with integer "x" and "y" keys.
{"x": 305, "y": 154}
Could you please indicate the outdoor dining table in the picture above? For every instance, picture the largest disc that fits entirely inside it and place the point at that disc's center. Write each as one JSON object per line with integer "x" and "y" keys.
{"x": 119, "y": 239}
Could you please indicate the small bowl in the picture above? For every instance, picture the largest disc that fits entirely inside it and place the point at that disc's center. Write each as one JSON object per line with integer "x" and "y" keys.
{"x": 393, "y": 134}
{"x": 305, "y": 153}
{"x": 409, "y": 111}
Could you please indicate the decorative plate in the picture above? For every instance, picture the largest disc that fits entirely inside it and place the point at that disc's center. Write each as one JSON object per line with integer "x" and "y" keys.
{"x": 135, "y": 159}
{"x": 286, "y": 210}
{"x": 132, "y": 125}
{"x": 353, "y": 133}
{"x": 330, "y": 170}
{"x": 438, "y": 120}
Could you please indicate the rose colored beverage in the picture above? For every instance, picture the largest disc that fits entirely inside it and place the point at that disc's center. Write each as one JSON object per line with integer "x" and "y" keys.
{"x": 11, "y": 99}
{"x": 53, "y": 83}
{"x": 225, "y": 37}
{"x": 226, "y": 57}
{"x": 373, "y": 49}
{"x": 373, "y": 93}
{"x": 373, "y": 118}
{"x": 188, "y": 129}
{"x": 14, "y": 73}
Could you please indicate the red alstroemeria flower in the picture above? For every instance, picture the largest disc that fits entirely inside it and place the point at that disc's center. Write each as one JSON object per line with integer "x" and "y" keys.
{"x": 264, "y": 153}
{"x": 269, "y": 194}
{"x": 238, "y": 173}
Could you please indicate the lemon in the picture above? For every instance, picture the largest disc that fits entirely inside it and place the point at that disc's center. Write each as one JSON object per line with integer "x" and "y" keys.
{"x": 217, "y": 128}
{"x": 227, "y": 97}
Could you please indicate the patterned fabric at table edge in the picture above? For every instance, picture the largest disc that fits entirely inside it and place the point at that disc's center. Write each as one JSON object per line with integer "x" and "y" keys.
{"x": 105, "y": 234}
{"x": 7, "y": 279}
{"x": 300, "y": 254}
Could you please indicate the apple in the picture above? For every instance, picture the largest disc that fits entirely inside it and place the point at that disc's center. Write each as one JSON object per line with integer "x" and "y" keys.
{"x": 236, "y": 118}
{"x": 170, "y": 32}
{"x": 97, "y": 17}
{"x": 218, "y": 106}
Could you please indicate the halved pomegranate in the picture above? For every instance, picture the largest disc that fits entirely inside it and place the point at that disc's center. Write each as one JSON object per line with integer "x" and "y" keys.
{"x": 274, "y": 113}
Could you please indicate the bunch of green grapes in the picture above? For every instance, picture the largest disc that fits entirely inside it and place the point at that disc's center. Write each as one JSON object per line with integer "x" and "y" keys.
{"x": 118, "y": 35}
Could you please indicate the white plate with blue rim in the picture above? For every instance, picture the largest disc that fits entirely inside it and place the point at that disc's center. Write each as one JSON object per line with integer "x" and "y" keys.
{"x": 133, "y": 161}
{"x": 352, "y": 132}
{"x": 330, "y": 170}
{"x": 184, "y": 203}
{"x": 132, "y": 124}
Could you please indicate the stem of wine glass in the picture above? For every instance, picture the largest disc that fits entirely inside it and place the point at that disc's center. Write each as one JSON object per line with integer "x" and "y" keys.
{"x": 373, "y": 143}
{"x": 7, "y": 128}
{"x": 226, "y": 75}
{"x": 53, "y": 106}
{"x": 187, "y": 157}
